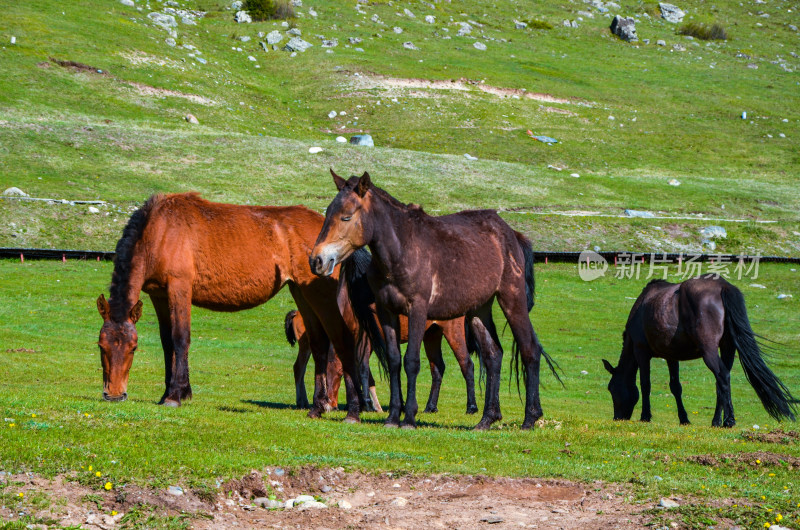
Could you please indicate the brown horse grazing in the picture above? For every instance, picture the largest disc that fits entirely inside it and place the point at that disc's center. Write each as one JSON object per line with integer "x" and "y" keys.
{"x": 436, "y": 268}
{"x": 451, "y": 330}
{"x": 183, "y": 250}
{"x": 690, "y": 320}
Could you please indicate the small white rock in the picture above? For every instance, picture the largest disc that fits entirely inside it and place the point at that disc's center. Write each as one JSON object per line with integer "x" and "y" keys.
{"x": 341, "y": 139}
{"x": 191, "y": 119}
{"x": 92, "y": 209}
{"x": 14, "y": 192}
{"x": 575, "y": 175}
{"x": 399, "y": 501}
{"x": 668, "y": 503}
{"x": 13, "y": 40}
{"x": 674, "y": 182}
{"x": 332, "y": 114}
{"x": 470, "y": 157}
{"x": 314, "y": 150}
{"x": 758, "y": 286}
{"x": 479, "y": 46}
{"x": 344, "y": 505}
{"x": 784, "y": 296}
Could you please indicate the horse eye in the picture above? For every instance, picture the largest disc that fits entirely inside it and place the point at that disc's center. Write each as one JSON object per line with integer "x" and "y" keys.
{"x": 347, "y": 218}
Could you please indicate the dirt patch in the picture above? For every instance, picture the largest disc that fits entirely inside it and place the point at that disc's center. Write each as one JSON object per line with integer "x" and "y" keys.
{"x": 385, "y": 501}
{"x": 78, "y": 67}
{"x": 147, "y": 90}
{"x": 20, "y": 350}
{"x": 368, "y": 82}
{"x": 755, "y": 459}
{"x": 773, "y": 437}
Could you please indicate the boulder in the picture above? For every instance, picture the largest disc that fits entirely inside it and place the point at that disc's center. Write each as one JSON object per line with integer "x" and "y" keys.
{"x": 274, "y": 37}
{"x": 362, "y": 139}
{"x": 296, "y": 44}
{"x": 242, "y": 17}
{"x": 671, "y": 13}
{"x": 14, "y": 192}
{"x": 624, "y": 28}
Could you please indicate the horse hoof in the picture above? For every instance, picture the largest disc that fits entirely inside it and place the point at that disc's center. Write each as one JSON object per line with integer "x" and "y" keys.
{"x": 430, "y": 410}
{"x": 483, "y": 426}
{"x": 314, "y": 413}
{"x": 171, "y": 403}
{"x": 391, "y": 424}
{"x": 352, "y": 419}
{"x": 472, "y": 410}
{"x": 528, "y": 426}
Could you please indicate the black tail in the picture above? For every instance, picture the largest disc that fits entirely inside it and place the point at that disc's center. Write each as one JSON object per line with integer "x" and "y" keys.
{"x": 774, "y": 395}
{"x": 354, "y": 270}
{"x": 530, "y": 281}
{"x": 474, "y": 348}
{"x": 288, "y": 327}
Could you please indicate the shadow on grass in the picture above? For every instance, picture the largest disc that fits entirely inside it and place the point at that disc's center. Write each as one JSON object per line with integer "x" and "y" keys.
{"x": 269, "y": 405}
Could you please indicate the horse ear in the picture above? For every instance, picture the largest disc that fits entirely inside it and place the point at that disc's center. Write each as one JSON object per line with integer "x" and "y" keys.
{"x": 103, "y": 308}
{"x": 136, "y": 312}
{"x": 608, "y": 367}
{"x": 339, "y": 181}
{"x": 364, "y": 184}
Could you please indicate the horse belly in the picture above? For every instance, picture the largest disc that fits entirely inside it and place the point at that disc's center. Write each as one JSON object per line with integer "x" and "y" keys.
{"x": 236, "y": 287}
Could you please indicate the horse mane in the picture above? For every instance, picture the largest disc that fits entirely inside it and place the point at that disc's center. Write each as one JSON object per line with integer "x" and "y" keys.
{"x": 124, "y": 255}
{"x": 411, "y": 207}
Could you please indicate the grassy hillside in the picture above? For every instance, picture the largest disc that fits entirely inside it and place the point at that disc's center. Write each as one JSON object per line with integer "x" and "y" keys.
{"x": 116, "y": 131}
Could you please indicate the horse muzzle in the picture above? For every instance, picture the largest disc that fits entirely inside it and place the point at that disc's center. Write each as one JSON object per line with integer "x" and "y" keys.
{"x": 121, "y": 397}
{"x": 323, "y": 266}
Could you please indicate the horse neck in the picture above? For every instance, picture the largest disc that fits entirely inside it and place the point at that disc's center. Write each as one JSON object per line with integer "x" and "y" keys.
{"x": 627, "y": 362}
{"x": 388, "y": 238}
{"x": 125, "y": 290}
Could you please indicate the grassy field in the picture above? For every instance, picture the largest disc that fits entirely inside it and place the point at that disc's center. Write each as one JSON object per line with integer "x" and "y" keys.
{"x": 242, "y": 415}
{"x": 629, "y": 118}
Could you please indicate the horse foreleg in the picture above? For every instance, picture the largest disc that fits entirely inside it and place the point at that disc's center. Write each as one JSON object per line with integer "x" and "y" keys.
{"x": 179, "y": 300}
{"x": 300, "y": 365}
{"x": 390, "y": 324}
{"x": 644, "y": 383}
{"x": 318, "y": 344}
{"x": 454, "y": 333}
{"x": 433, "y": 351}
{"x": 165, "y": 330}
{"x": 677, "y": 390}
{"x": 417, "y": 318}
{"x": 334, "y": 376}
{"x": 727, "y": 356}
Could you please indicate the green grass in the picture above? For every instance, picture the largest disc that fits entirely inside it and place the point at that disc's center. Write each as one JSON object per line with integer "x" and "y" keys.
{"x": 242, "y": 415}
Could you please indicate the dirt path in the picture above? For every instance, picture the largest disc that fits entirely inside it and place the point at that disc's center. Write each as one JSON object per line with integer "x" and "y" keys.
{"x": 374, "y": 501}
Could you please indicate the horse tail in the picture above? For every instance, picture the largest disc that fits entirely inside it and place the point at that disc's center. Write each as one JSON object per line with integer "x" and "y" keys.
{"x": 774, "y": 395}
{"x": 474, "y": 348}
{"x": 530, "y": 281}
{"x": 354, "y": 270}
{"x": 288, "y": 327}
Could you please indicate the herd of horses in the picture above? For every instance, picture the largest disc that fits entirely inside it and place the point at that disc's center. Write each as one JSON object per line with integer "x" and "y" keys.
{"x": 424, "y": 278}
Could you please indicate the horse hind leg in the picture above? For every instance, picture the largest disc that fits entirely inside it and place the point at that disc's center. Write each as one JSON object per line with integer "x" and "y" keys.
{"x": 727, "y": 356}
{"x": 722, "y": 375}
{"x": 433, "y": 351}
{"x": 482, "y": 327}
{"x": 161, "y": 307}
{"x": 677, "y": 390}
{"x": 300, "y": 365}
{"x": 458, "y": 343}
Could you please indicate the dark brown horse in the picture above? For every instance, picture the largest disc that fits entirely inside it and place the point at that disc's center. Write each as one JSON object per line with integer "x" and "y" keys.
{"x": 436, "y": 268}
{"x": 692, "y": 320}
{"x": 451, "y": 330}
{"x": 183, "y": 250}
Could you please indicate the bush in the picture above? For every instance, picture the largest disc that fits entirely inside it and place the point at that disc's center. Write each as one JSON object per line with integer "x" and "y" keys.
{"x": 260, "y": 10}
{"x": 539, "y": 24}
{"x": 704, "y": 32}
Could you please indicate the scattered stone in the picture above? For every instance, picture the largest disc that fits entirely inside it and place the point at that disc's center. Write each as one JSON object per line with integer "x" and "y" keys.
{"x": 479, "y": 46}
{"x": 492, "y": 519}
{"x": 237, "y": 5}
{"x": 584, "y": 372}
{"x": 297, "y": 3}
{"x": 344, "y": 505}
{"x": 326, "y": 489}
{"x": 408, "y": 13}
{"x": 169, "y": 41}
{"x": 661, "y": 42}
{"x": 679, "y": 47}
{"x": 311, "y": 505}
{"x": 362, "y": 139}
{"x": 409, "y": 46}
{"x": 674, "y": 182}
{"x": 376, "y": 19}
{"x": 251, "y": 58}
{"x": 296, "y": 44}
{"x": 13, "y": 40}
{"x": 758, "y": 286}
{"x": 242, "y": 17}
{"x": 784, "y": 296}
{"x": 638, "y": 213}
{"x": 668, "y": 503}
{"x": 312, "y": 12}
{"x": 671, "y": 13}
{"x": 575, "y": 175}
{"x": 244, "y": 38}
{"x": 263, "y": 46}
{"x": 314, "y": 150}
{"x": 303, "y": 498}
{"x": 14, "y": 192}
{"x": 398, "y": 30}
{"x": 175, "y": 490}
{"x": 332, "y": 114}
{"x": 200, "y": 60}
{"x": 657, "y": 478}
{"x": 128, "y": 3}
{"x": 330, "y": 43}
{"x": 269, "y": 504}
{"x": 192, "y": 119}
{"x": 274, "y": 37}
{"x": 714, "y": 232}
{"x": 470, "y": 157}
{"x": 354, "y": 40}
{"x": 93, "y": 209}
{"x": 160, "y": 19}
{"x": 465, "y": 29}
{"x": 399, "y": 501}
{"x": 341, "y": 139}
{"x": 295, "y": 31}
{"x": 430, "y": 19}
{"x": 520, "y": 25}
{"x": 551, "y": 166}
{"x": 624, "y": 28}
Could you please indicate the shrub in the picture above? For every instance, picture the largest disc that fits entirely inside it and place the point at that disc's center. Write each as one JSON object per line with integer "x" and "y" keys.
{"x": 702, "y": 31}
{"x": 261, "y": 10}
{"x": 539, "y": 24}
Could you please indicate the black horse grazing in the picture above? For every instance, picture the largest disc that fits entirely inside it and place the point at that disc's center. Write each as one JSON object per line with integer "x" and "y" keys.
{"x": 689, "y": 320}
{"x": 436, "y": 268}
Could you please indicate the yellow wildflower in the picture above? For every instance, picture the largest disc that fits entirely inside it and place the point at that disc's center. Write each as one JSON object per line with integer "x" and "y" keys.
{"x": 772, "y": 474}
{"x": 108, "y": 486}
{"x": 98, "y": 474}
{"x": 20, "y": 494}
{"x": 778, "y": 518}
{"x": 90, "y": 468}
{"x": 113, "y": 512}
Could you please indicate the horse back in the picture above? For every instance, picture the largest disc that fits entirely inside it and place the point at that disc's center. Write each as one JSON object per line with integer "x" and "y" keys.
{"x": 231, "y": 256}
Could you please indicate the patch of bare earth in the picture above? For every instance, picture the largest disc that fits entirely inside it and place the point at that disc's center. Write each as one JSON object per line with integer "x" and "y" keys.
{"x": 371, "y": 82}
{"x": 754, "y": 459}
{"x": 382, "y": 501}
{"x": 777, "y": 436}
